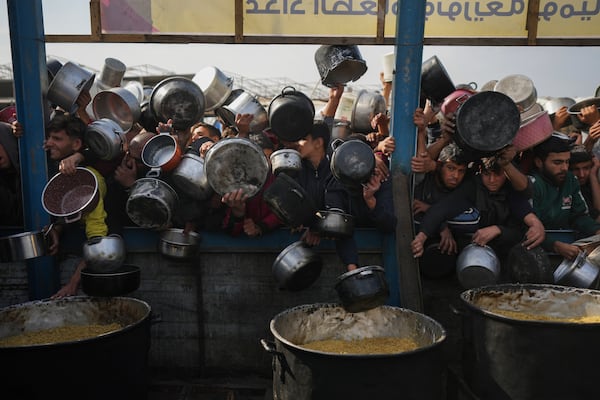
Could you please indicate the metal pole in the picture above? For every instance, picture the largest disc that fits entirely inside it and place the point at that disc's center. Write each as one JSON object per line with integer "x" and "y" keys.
{"x": 405, "y": 98}
{"x": 31, "y": 81}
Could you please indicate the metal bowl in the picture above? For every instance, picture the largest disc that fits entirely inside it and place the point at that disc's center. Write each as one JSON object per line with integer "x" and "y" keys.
{"x": 104, "y": 253}
{"x": 477, "y": 266}
{"x": 174, "y": 244}
{"x": 363, "y": 288}
{"x": 576, "y": 108}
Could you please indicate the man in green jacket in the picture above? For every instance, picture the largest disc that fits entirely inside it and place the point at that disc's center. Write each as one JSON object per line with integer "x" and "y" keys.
{"x": 557, "y": 198}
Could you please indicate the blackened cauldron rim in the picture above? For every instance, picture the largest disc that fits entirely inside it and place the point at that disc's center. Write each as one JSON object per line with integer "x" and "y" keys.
{"x": 439, "y": 340}
{"x": 464, "y": 297}
{"x": 101, "y": 337}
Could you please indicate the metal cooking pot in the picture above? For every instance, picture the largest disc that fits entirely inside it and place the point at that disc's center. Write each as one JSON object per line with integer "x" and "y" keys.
{"x": 236, "y": 163}
{"x": 577, "y": 273}
{"x": 334, "y": 223}
{"x": 122, "y": 281}
{"x": 436, "y": 84}
{"x": 367, "y": 105}
{"x": 297, "y": 267}
{"x": 68, "y": 83}
{"x": 576, "y": 108}
{"x": 493, "y": 343}
{"x": 352, "y": 162}
{"x": 362, "y": 289}
{"x": 486, "y": 122}
{"x": 113, "y": 365}
{"x": 161, "y": 153}
{"x": 454, "y": 100}
{"x": 190, "y": 178}
{"x": 151, "y": 203}
{"x": 339, "y": 64}
{"x": 137, "y": 89}
{"x": 477, "y": 266}
{"x": 136, "y": 145}
{"x": 119, "y": 105}
{"x": 289, "y": 201}
{"x": 104, "y": 253}
{"x": 105, "y": 138}
{"x": 244, "y": 103}
{"x": 286, "y": 160}
{"x": 175, "y": 244}
{"x": 71, "y": 196}
{"x": 147, "y": 119}
{"x": 112, "y": 72}
{"x": 179, "y": 99}
{"x": 556, "y": 103}
{"x": 520, "y": 89}
{"x": 24, "y": 246}
{"x": 300, "y": 373}
{"x": 533, "y": 131}
{"x": 291, "y": 114}
{"x": 215, "y": 85}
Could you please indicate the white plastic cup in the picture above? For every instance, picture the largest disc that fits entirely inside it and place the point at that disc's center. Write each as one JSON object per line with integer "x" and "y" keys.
{"x": 389, "y": 61}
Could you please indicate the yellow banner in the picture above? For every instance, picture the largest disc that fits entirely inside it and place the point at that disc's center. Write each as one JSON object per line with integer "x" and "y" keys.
{"x": 444, "y": 18}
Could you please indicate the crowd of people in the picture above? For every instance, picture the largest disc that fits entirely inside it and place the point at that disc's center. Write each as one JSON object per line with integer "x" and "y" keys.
{"x": 507, "y": 200}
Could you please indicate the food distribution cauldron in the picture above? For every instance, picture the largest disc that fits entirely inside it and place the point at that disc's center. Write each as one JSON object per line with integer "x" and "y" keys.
{"x": 300, "y": 373}
{"x": 110, "y": 366}
{"x": 506, "y": 358}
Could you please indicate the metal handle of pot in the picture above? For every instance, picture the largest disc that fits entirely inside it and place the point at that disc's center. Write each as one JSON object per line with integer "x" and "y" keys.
{"x": 94, "y": 240}
{"x": 297, "y": 193}
{"x": 284, "y": 92}
{"x": 336, "y": 143}
{"x": 75, "y": 218}
{"x": 270, "y": 348}
{"x": 153, "y": 173}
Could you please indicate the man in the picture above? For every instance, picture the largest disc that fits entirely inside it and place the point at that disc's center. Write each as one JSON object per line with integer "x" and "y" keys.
{"x": 11, "y": 208}
{"x": 506, "y": 217}
{"x": 64, "y": 137}
{"x": 557, "y": 198}
{"x": 585, "y": 168}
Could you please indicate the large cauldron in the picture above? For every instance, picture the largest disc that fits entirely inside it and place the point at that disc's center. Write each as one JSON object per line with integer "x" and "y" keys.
{"x": 300, "y": 373}
{"x": 508, "y": 358}
{"x": 111, "y": 366}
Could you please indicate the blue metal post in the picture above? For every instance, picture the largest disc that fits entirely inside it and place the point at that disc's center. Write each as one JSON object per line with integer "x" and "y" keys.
{"x": 30, "y": 80}
{"x": 405, "y": 98}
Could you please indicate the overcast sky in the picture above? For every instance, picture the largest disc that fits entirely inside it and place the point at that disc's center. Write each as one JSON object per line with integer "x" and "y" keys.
{"x": 555, "y": 71}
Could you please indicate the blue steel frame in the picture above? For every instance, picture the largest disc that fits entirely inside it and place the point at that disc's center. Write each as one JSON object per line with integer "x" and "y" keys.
{"x": 30, "y": 77}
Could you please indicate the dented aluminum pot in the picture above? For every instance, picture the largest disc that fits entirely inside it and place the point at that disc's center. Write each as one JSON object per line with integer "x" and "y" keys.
{"x": 190, "y": 177}
{"x": 286, "y": 160}
{"x": 151, "y": 203}
{"x": 367, "y": 105}
{"x": 69, "y": 82}
{"x": 297, "y": 266}
{"x": 339, "y": 64}
{"x": 236, "y": 163}
{"x": 117, "y": 104}
{"x": 215, "y": 85}
{"x": 244, "y": 103}
{"x": 105, "y": 138}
